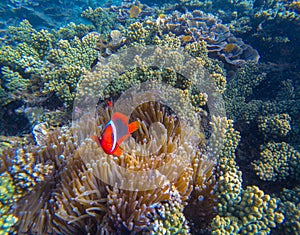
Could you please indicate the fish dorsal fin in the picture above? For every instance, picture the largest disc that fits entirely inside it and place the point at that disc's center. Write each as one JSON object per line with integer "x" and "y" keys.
{"x": 121, "y": 123}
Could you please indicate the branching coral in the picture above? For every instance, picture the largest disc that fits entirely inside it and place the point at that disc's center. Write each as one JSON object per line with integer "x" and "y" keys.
{"x": 277, "y": 162}
{"x": 241, "y": 210}
{"x": 71, "y": 186}
{"x": 239, "y": 89}
{"x": 255, "y": 212}
{"x": 289, "y": 206}
{"x": 275, "y": 126}
{"x": 6, "y": 200}
{"x": 68, "y": 65}
{"x": 40, "y": 63}
{"x": 103, "y": 19}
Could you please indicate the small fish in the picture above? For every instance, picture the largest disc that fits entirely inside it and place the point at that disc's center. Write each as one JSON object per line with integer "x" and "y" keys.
{"x": 186, "y": 38}
{"x": 229, "y": 47}
{"x": 115, "y": 132}
{"x": 134, "y": 11}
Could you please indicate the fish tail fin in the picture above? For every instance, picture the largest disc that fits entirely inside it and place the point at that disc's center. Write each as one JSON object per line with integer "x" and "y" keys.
{"x": 96, "y": 139}
{"x": 132, "y": 127}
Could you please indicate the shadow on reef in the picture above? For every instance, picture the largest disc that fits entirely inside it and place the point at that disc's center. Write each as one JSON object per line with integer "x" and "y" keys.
{"x": 12, "y": 122}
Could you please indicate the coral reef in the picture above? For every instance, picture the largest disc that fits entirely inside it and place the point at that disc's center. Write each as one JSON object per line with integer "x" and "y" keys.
{"x": 189, "y": 27}
{"x": 6, "y": 201}
{"x": 255, "y": 212}
{"x": 39, "y": 67}
{"x": 98, "y": 194}
{"x": 199, "y": 180}
{"x": 266, "y": 25}
{"x": 277, "y": 162}
{"x": 239, "y": 89}
{"x": 289, "y": 206}
{"x": 102, "y": 19}
{"x": 241, "y": 210}
{"x": 65, "y": 177}
{"x": 275, "y": 126}
{"x": 263, "y": 114}
{"x": 64, "y": 58}
{"x": 220, "y": 42}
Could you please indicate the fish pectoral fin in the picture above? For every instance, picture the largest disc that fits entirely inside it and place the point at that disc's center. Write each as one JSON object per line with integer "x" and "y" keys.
{"x": 118, "y": 151}
{"x": 132, "y": 127}
{"x": 96, "y": 139}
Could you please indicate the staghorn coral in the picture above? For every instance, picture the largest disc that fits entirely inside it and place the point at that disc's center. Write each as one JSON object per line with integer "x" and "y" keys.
{"x": 277, "y": 162}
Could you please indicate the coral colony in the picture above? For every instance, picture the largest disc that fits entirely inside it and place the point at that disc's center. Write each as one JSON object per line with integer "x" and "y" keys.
{"x": 185, "y": 167}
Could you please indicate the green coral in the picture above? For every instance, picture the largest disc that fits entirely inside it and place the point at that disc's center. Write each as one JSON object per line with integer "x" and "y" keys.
{"x": 241, "y": 211}
{"x": 239, "y": 89}
{"x": 71, "y": 30}
{"x": 14, "y": 83}
{"x": 277, "y": 162}
{"x": 171, "y": 219}
{"x": 289, "y": 206}
{"x": 47, "y": 63}
{"x": 103, "y": 20}
{"x": 137, "y": 33}
{"x": 7, "y": 191}
{"x": 170, "y": 41}
{"x": 275, "y": 126}
{"x": 254, "y": 212}
{"x": 230, "y": 180}
{"x": 69, "y": 61}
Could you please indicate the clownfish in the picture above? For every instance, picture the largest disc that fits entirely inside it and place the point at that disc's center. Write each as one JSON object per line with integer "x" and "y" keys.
{"x": 115, "y": 132}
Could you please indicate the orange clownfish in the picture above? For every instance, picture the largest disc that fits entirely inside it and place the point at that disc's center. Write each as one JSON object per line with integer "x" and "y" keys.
{"x": 115, "y": 132}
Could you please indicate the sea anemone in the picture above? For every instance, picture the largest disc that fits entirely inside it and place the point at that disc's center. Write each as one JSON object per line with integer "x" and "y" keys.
{"x": 87, "y": 191}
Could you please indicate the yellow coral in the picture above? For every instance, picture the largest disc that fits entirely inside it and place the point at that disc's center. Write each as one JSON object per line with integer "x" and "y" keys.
{"x": 275, "y": 126}
{"x": 277, "y": 162}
